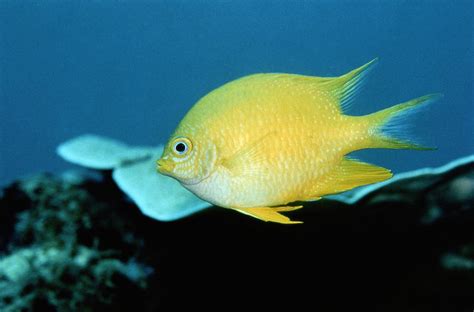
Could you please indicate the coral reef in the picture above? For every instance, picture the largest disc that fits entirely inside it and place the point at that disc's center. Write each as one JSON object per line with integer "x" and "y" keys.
{"x": 68, "y": 250}
{"x": 76, "y": 242}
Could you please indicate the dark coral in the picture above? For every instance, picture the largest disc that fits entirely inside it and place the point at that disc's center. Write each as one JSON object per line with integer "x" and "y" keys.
{"x": 70, "y": 249}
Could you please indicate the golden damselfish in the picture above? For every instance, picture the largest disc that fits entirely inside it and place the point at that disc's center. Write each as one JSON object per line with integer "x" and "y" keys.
{"x": 262, "y": 141}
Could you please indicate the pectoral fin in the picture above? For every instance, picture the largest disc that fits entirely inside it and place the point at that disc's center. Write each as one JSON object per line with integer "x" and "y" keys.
{"x": 250, "y": 159}
{"x": 270, "y": 214}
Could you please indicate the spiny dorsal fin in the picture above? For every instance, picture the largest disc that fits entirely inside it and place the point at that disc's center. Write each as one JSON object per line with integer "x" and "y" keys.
{"x": 345, "y": 87}
{"x": 351, "y": 174}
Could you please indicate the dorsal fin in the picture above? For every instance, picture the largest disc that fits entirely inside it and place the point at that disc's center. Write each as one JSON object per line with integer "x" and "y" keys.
{"x": 345, "y": 87}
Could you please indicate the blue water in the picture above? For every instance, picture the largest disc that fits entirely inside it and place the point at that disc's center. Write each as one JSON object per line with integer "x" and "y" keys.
{"x": 131, "y": 69}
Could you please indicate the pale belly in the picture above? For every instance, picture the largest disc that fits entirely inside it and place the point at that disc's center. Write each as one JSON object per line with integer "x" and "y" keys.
{"x": 287, "y": 182}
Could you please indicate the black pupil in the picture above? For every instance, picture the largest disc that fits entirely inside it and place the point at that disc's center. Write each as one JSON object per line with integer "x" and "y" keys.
{"x": 180, "y": 147}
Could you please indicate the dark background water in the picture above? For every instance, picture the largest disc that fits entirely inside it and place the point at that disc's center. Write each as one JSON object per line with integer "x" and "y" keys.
{"x": 131, "y": 69}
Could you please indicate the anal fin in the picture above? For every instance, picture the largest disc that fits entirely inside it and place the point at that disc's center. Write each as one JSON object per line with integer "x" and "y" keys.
{"x": 351, "y": 174}
{"x": 270, "y": 214}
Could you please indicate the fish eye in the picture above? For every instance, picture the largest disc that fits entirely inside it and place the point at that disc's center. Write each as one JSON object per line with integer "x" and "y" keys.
{"x": 182, "y": 146}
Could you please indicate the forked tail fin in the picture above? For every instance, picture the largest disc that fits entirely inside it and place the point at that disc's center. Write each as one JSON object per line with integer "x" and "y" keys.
{"x": 386, "y": 125}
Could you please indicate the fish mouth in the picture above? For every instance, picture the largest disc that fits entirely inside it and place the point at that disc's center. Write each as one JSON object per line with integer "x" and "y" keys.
{"x": 164, "y": 167}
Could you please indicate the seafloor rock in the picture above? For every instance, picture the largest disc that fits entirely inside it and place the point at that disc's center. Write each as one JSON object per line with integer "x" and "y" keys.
{"x": 75, "y": 242}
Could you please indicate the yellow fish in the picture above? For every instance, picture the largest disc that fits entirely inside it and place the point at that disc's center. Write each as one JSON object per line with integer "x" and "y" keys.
{"x": 262, "y": 141}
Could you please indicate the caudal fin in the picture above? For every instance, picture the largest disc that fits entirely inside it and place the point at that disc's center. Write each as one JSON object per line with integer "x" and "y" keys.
{"x": 387, "y": 124}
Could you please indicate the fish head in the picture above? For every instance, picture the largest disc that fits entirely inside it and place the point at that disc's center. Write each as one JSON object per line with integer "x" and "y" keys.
{"x": 187, "y": 159}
